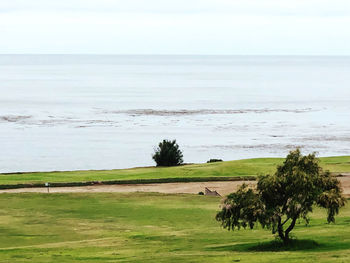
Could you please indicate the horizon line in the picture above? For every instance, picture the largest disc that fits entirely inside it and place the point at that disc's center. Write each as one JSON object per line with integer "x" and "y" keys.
{"x": 140, "y": 54}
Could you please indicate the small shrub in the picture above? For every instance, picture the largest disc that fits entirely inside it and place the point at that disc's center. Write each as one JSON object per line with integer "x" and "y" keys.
{"x": 201, "y": 193}
{"x": 214, "y": 160}
{"x": 168, "y": 154}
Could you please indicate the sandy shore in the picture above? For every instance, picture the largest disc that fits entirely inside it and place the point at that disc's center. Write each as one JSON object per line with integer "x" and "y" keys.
{"x": 222, "y": 188}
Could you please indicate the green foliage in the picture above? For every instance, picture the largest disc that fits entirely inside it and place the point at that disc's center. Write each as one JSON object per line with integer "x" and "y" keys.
{"x": 284, "y": 197}
{"x": 240, "y": 209}
{"x": 168, "y": 154}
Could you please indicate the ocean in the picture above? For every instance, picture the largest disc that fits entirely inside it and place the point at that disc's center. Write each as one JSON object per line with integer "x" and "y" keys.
{"x": 78, "y": 112}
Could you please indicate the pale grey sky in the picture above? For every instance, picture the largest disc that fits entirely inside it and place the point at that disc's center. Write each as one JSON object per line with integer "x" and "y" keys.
{"x": 298, "y": 27}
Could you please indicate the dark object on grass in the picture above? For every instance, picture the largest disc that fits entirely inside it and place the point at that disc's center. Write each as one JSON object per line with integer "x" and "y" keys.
{"x": 279, "y": 200}
{"x": 168, "y": 154}
{"x": 214, "y": 160}
{"x": 201, "y": 193}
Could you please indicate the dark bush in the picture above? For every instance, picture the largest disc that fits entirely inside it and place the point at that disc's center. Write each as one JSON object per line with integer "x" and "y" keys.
{"x": 201, "y": 193}
{"x": 168, "y": 154}
{"x": 214, "y": 160}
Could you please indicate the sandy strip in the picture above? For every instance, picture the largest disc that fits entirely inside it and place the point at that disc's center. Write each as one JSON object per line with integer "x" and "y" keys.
{"x": 222, "y": 188}
{"x": 172, "y": 188}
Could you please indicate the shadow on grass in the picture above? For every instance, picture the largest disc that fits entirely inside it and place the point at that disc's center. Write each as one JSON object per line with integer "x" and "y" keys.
{"x": 276, "y": 245}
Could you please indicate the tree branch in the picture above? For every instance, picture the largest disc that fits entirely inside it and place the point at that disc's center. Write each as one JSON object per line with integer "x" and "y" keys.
{"x": 291, "y": 226}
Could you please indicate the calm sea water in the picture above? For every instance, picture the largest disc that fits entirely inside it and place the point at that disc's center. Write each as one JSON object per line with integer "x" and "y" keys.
{"x": 101, "y": 112}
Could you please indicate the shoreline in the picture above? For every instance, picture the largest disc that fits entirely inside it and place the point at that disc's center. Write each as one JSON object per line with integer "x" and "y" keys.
{"x": 153, "y": 166}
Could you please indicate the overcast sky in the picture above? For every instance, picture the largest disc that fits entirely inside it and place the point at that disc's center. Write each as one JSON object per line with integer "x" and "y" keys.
{"x": 288, "y": 27}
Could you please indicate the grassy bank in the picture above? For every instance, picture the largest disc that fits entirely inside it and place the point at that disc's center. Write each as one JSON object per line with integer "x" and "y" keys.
{"x": 241, "y": 168}
{"x": 143, "y": 227}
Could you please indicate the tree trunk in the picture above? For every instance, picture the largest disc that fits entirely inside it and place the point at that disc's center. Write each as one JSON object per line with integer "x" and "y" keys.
{"x": 290, "y": 228}
{"x": 280, "y": 230}
{"x": 284, "y": 235}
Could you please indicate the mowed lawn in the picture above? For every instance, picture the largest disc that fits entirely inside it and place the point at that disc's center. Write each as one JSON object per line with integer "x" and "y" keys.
{"x": 150, "y": 227}
{"x": 247, "y": 167}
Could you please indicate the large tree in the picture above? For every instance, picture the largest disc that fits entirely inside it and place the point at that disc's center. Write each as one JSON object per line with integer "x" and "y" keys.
{"x": 280, "y": 199}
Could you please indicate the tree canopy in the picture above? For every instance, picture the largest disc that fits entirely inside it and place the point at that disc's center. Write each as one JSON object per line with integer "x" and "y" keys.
{"x": 280, "y": 199}
{"x": 168, "y": 154}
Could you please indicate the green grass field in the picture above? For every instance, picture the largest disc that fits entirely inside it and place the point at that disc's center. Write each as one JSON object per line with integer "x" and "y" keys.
{"x": 149, "y": 227}
{"x": 248, "y": 167}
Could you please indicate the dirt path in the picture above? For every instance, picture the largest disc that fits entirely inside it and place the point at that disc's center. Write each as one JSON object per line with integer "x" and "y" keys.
{"x": 190, "y": 188}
